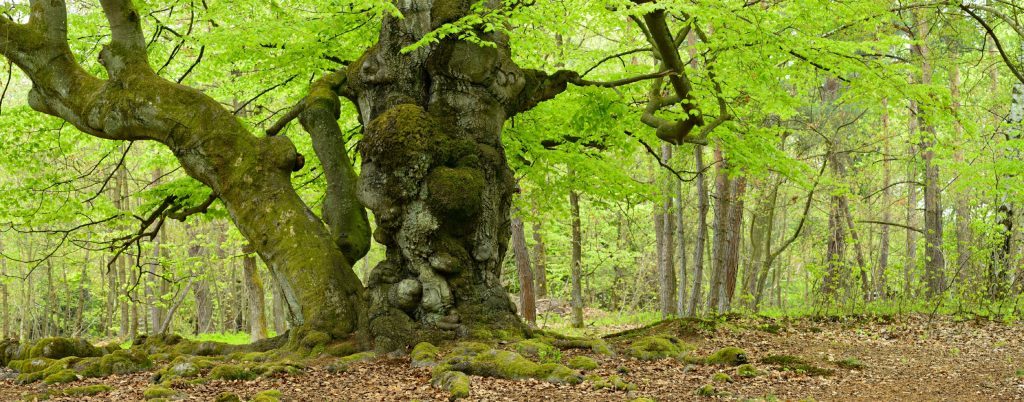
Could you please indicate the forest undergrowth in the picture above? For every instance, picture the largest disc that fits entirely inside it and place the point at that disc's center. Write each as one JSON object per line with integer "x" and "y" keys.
{"x": 872, "y": 356}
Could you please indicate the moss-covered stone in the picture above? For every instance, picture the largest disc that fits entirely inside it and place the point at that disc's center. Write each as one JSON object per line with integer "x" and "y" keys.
{"x": 582, "y": 363}
{"x": 721, "y": 377}
{"x": 793, "y": 363}
{"x": 30, "y": 365}
{"x": 455, "y": 382}
{"x": 558, "y": 374}
{"x": 36, "y": 396}
{"x": 61, "y": 377}
{"x": 86, "y": 390}
{"x": 424, "y": 354}
{"x": 707, "y": 390}
{"x": 727, "y": 356}
{"x": 37, "y": 369}
{"x": 538, "y": 350}
{"x": 227, "y": 397}
{"x": 343, "y": 363}
{"x": 183, "y": 367}
{"x": 58, "y": 348}
{"x": 747, "y": 371}
{"x": 270, "y": 395}
{"x": 282, "y": 367}
{"x": 124, "y": 361}
{"x": 657, "y": 347}
{"x": 158, "y": 391}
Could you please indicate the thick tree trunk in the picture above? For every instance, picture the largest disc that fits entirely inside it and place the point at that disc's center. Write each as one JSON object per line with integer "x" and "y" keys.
{"x": 576, "y": 261}
{"x": 277, "y": 308}
{"x": 527, "y": 297}
{"x": 702, "y": 229}
{"x": 434, "y": 172}
{"x": 835, "y": 257}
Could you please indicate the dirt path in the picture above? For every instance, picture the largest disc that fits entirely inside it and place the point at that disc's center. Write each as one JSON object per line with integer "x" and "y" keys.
{"x": 911, "y": 358}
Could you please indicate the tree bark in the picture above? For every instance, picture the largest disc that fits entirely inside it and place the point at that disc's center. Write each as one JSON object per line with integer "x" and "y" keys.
{"x": 700, "y": 239}
{"x": 527, "y": 298}
{"x": 681, "y": 296}
{"x": 666, "y": 258}
{"x": 576, "y": 261}
{"x": 910, "y": 261}
{"x": 935, "y": 263}
{"x": 720, "y": 246}
{"x": 540, "y": 273}
{"x": 880, "y": 286}
{"x": 254, "y": 289}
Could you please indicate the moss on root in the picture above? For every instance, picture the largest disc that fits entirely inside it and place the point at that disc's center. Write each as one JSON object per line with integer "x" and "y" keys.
{"x": 537, "y": 349}
{"x": 479, "y": 359}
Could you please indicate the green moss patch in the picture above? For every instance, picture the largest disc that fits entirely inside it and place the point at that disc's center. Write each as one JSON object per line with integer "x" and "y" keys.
{"x": 582, "y": 363}
{"x": 343, "y": 363}
{"x": 851, "y": 363}
{"x": 657, "y": 347}
{"x": 424, "y": 354}
{"x": 158, "y": 391}
{"x": 227, "y": 397}
{"x": 87, "y": 390}
{"x": 454, "y": 382}
{"x": 613, "y": 382}
{"x": 537, "y": 350}
{"x": 747, "y": 371}
{"x": 721, "y": 377}
{"x": 234, "y": 372}
{"x": 707, "y": 390}
{"x": 58, "y": 348}
{"x": 478, "y": 359}
{"x": 270, "y": 395}
{"x": 61, "y": 377}
{"x": 793, "y": 363}
{"x": 727, "y": 356}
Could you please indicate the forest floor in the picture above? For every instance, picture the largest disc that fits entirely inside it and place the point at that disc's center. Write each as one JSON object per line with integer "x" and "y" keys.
{"x": 914, "y": 357}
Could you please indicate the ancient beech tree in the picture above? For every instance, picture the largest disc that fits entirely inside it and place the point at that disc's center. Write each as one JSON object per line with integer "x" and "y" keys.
{"x": 433, "y": 170}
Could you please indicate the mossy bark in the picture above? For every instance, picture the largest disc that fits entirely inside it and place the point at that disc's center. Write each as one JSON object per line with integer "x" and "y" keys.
{"x": 435, "y": 174}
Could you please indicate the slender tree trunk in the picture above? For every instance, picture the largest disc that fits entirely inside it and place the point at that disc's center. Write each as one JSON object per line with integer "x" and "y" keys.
{"x": 667, "y": 271}
{"x": 538, "y": 256}
{"x": 254, "y": 287}
{"x": 964, "y": 234}
{"x": 880, "y": 286}
{"x": 681, "y": 295}
{"x": 577, "y": 260}
{"x": 527, "y": 298}
{"x": 935, "y": 264}
{"x": 735, "y": 237}
{"x": 5, "y": 303}
{"x": 700, "y": 239}
{"x": 835, "y": 256}
{"x": 910, "y": 263}
{"x": 716, "y": 293}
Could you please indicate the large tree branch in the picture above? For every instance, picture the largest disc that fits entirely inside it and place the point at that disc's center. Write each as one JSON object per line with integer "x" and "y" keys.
{"x": 344, "y": 214}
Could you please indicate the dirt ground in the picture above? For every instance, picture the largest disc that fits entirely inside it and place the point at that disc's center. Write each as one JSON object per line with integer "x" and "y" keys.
{"x": 905, "y": 359}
